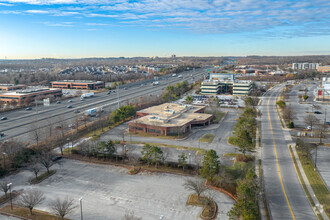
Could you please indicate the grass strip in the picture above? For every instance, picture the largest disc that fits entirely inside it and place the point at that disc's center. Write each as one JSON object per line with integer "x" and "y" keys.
{"x": 302, "y": 181}
{"x": 42, "y": 177}
{"x": 198, "y": 150}
{"x": 207, "y": 138}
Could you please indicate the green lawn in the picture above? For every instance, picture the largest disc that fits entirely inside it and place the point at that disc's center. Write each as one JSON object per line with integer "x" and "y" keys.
{"x": 233, "y": 140}
{"x": 207, "y": 138}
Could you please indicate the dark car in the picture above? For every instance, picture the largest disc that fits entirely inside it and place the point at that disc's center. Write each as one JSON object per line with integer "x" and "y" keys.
{"x": 76, "y": 111}
{"x": 3, "y": 118}
{"x": 58, "y": 102}
{"x": 1, "y": 134}
{"x": 57, "y": 158}
{"x": 125, "y": 88}
{"x": 317, "y": 112}
{"x": 114, "y": 91}
{"x": 28, "y": 109}
{"x": 69, "y": 106}
{"x": 108, "y": 92}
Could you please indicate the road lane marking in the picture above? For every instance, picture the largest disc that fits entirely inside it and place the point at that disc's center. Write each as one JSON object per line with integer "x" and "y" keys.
{"x": 278, "y": 166}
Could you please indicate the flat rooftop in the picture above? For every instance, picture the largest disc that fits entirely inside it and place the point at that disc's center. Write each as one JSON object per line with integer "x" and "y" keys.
{"x": 27, "y": 91}
{"x": 77, "y": 81}
{"x": 10, "y": 85}
{"x": 171, "y": 115}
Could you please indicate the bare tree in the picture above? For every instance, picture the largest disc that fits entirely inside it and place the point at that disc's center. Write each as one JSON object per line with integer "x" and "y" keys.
{"x": 46, "y": 159}
{"x": 195, "y": 185}
{"x": 36, "y": 132}
{"x": 129, "y": 215}
{"x": 311, "y": 120}
{"x": 35, "y": 167}
{"x": 63, "y": 207}
{"x": 322, "y": 130}
{"x": 4, "y": 186}
{"x": 12, "y": 148}
{"x": 288, "y": 113}
{"x": 30, "y": 199}
{"x": 50, "y": 127}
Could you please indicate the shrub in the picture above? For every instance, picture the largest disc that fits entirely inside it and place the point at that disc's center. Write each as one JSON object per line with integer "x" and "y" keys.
{"x": 291, "y": 124}
{"x": 244, "y": 158}
{"x": 281, "y": 103}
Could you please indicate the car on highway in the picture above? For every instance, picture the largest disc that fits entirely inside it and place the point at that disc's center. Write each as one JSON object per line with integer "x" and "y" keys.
{"x": 114, "y": 91}
{"x": 58, "y": 102}
{"x": 317, "y": 112}
{"x": 76, "y": 111}
{"x": 70, "y": 100}
{"x": 2, "y": 134}
{"x": 179, "y": 76}
{"x": 108, "y": 92}
{"x": 69, "y": 106}
{"x": 28, "y": 109}
{"x": 71, "y": 126}
{"x": 58, "y": 127}
{"x": 3, "y": 118}
{"x": 125, "y": 88}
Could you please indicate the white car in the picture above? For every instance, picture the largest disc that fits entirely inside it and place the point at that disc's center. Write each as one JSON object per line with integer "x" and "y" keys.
{"x": 309, "y": 128}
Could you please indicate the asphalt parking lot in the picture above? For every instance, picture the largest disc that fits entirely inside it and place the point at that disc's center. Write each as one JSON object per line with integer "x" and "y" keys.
{"x": 108, "y": 192}
{"x": 302, "y": 109}
{"x": 220, "y": 131}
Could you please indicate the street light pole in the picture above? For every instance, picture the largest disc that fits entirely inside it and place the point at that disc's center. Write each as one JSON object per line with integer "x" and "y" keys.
{"x": 118, "y": 95}
{"x": 11, "y": 201}
{"x": 81, "y": 213}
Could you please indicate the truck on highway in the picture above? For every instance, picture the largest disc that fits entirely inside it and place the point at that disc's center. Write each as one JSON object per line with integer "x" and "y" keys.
{"x": 92, "y": 112}
{"x": 86, "y": 95}
{"x": 156, "y": 83}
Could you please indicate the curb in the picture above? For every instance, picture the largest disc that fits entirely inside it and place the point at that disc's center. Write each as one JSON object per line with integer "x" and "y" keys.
{"x": 305, "y": 179}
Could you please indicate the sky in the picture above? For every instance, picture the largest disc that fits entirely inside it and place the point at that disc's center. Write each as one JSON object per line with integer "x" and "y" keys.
{"x": 32, "y": 29}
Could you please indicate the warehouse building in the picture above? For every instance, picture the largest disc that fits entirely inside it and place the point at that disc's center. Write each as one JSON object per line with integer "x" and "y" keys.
{"x": 27, "y": 96}
{"x": 169, "y": 119}
{"x": 75, "y": 84}
{"x": 11, "y": 87}
{"x": 324, "y": 69}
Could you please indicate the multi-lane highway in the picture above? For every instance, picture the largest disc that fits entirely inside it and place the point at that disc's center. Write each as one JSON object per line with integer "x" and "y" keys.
{"x": 284, "y": 193}
{"x": 20, "y": 123}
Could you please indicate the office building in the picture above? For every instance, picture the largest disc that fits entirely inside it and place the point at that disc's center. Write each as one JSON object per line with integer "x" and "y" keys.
{"x": 78, "y": 84}
{"x": 169, "y": 119}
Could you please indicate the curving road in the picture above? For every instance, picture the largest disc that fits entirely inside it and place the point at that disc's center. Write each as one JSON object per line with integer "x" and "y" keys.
{"x": 284, "y": 193}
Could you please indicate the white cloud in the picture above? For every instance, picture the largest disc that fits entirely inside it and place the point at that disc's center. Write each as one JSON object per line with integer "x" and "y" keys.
{"x": 204, "y": 16}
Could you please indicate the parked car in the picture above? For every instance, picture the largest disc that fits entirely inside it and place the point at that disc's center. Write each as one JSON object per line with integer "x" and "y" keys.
{"x": 309, "y": 128}
{"x": 71, "y": 126}
{"x": 3, "y": 118}
{"x": 28, "y": 109}
{"x": 317, "y": 112}
{"x": 57, "y": 158}
{"x": 69, "y": 106}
